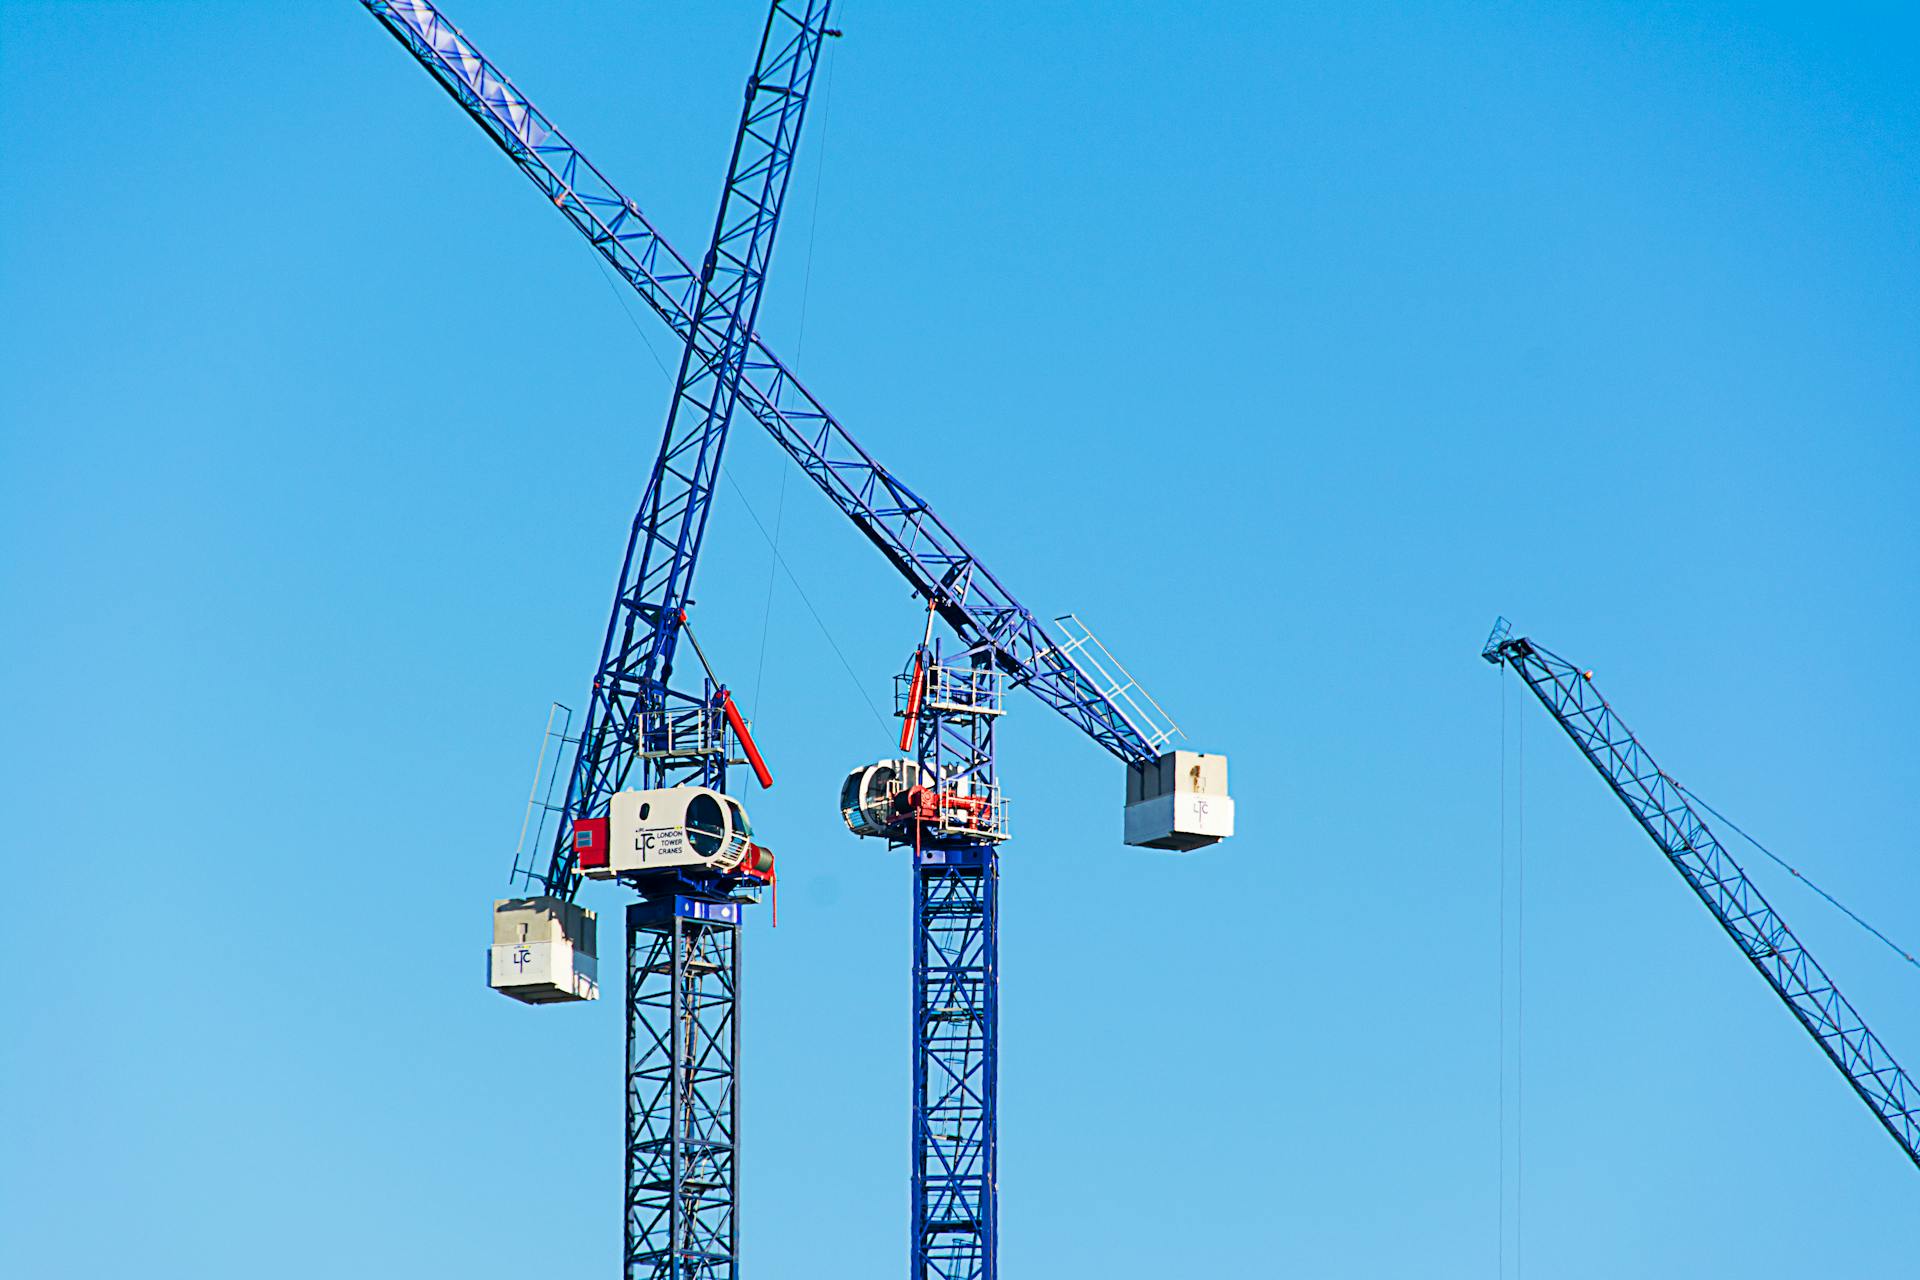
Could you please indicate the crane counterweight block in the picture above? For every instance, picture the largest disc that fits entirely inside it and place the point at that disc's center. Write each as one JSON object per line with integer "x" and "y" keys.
{"x": 544, "y": 951}
{"x": 1178, "y": 801}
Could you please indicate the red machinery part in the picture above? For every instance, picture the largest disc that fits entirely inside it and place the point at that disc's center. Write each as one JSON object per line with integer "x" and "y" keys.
{"x": 739, "y": 726}
{"x": 913, "y": 699}
{"x": 758, "y": 865}
{"x": 590, "y": 843}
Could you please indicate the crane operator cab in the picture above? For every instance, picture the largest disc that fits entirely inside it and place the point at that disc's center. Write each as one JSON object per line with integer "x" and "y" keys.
{"x": 870, "y": 797}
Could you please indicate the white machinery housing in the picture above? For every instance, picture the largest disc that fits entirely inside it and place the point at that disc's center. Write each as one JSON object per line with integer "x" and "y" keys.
{"x": 868, "y": 795}
{"x": 543, "y": 951}
{"x": 1179, "y": 801}
{"x": 685, "y": 826}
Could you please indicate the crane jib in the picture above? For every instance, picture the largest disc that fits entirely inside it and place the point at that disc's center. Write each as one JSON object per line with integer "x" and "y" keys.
{"x": 1664, "y": 813}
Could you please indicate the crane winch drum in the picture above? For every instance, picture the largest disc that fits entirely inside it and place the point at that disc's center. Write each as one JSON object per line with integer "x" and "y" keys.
{"x": 668, "y": 827}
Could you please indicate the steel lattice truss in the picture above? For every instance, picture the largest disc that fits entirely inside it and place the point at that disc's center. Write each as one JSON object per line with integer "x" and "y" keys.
{"x": 956, "y": 991}
{"x": 1663, "y": 810}
{"x": 894, "y": 518}
{"x": 683, "y": 1045}
{"x": 956, "y": 1049}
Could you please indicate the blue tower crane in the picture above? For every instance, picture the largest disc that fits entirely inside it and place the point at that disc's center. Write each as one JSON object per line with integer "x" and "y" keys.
{"x": 682, "y": 944}
{"x": 944, "y": 803}
{"x": 1664, "y": 812}
{"x": 1174, "y": 799}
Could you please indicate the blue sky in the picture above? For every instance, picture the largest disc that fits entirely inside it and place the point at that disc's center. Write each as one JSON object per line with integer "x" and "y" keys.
{"x": 1286, "y": 344}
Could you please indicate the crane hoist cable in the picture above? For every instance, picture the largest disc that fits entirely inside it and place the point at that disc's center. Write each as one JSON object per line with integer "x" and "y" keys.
{"x": 1801, "y": 876}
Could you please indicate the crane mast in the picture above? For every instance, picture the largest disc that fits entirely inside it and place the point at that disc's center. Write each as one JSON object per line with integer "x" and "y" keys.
{"x": 955, "y": 819}
{"x": 1663, "y": 811}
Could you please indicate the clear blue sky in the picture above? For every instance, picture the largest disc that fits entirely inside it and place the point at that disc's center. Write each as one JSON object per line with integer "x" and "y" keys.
{"x": 1287, "y": 344}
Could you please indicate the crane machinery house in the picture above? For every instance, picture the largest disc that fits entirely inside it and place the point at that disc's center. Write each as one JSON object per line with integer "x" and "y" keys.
{"x": 669, "y": 827}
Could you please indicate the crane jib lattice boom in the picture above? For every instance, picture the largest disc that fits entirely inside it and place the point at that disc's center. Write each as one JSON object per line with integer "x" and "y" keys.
{"x": 905, "y": 529}
{"x": 1663, "y": 811}
{"x": 631, "y": 688}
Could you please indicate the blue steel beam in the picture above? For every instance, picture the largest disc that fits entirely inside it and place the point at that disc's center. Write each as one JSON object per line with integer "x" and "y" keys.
{"x": 1663, "y": 811}
{"x": 681, "y": 1214}
{"x": 955, "y": 1171}
{"x": 955, "y": 1231}
{"x": 905, "y": 529}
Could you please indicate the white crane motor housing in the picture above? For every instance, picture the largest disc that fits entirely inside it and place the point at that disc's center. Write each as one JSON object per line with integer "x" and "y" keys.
{"x": 1179, "y": 802}
{"x": 685, "y": 826}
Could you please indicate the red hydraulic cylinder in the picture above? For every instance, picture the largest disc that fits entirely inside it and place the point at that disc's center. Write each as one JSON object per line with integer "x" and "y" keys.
{"x": 913, "y": 700}
{"x": 739, "y": 726}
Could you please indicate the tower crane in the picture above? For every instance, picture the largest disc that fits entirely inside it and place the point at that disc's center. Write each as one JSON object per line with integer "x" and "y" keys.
{"x": 944, "y": 803}
{"x": 677, "y": 838}
{"x": 1662, "y": 808}
{"x": 1174, "y": 800}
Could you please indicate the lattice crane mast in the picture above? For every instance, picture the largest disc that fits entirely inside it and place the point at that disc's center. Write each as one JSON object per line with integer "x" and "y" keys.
{"x": 1662, "y": 809}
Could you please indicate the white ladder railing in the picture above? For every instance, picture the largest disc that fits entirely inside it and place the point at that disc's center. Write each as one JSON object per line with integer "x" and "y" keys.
{"x": 526, "y": 857}
{"x": 1116, "y": 684}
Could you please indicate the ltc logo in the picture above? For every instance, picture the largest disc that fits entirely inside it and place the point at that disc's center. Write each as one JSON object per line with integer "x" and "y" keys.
{"x": 1199, "y": 808}
{"x": 522, "y": 956}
